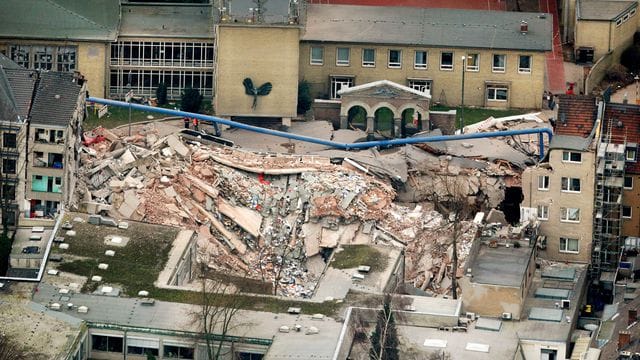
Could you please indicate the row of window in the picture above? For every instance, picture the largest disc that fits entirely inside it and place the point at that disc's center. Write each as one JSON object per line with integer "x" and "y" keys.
{"x": 493, "y": 92}
{"x": 576, "y": 157}
{"x": 566, "y": 214}
{"x": 161, "y": 53}
{"x": 567, "y": 184}
{"x": 625, "y": 17}
{"x": 144, "y": 346}
{"x": 60, "y": 58}
{"x": 145, "y": 82}
{"x": 471, "y": 62}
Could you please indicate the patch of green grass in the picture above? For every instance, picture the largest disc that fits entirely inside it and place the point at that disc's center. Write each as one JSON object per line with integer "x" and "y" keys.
{"x": 120, "y": 116}
{"x": 135, "y": 266}
{"x": 355, "y": 255}
{"x": 474, "y": 115}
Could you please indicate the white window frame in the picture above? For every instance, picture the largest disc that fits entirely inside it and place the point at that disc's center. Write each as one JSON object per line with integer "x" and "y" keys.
{"x": 476, "y": 67}
{"x": 630, "y": 154}
{"x": 498, "y": 69}
{"x": 630, "y": 212}
{"x": 565, "y": 214}
{"x": 625, "y": 17}
{"x": 522, "y": 70}
{"x": 543, "y": 212}
{"x": 568, "y": 159}
{"x": 619, "y": 22}
{"x": 343, "y": 62}
{"x": 394, "y": 65}
{"x": 564, "y": 248}
{"x": 624, "y": 182}
{"x": 420, "y": 66}
{"x": 545, "y": 181}
{"x": 447, "y": 67}
{"x": 420, "y": 84}
{"x": 339, "y": 80}
{"x": 316, "y": 61}
{"x": 632, "y": 12}
{"x": 495, "y": 89}
{"x": 568, "y": 181}
{"x": 367, "y": 63}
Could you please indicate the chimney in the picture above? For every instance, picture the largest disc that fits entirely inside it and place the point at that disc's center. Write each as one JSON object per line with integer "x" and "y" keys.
{"x": 633, "y": 317}
{"x": 624, "y": 338}
{"x": 524, "y": 27}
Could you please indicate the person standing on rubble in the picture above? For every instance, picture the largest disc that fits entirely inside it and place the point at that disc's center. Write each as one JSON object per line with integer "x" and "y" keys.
{"x": 186, "y": 122}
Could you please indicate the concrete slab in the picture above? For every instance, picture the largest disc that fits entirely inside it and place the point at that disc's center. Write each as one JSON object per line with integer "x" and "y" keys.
{"x": 484, "y": 323}
{"x": 545, "y": 314}
{"x": 547, "y": 293}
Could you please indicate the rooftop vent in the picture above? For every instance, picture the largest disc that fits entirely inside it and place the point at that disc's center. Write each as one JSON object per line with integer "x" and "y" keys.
{"x": 524, "y": 27}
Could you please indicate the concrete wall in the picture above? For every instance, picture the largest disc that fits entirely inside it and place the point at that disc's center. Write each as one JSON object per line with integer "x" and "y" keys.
{"x": 327, "y": 110}
{"x": 631, "y": 197}
{"x": 263, "y": 54}
{"x": 554, "y": 198}
{"x": 597, "y": 72}
{"x": 444, "y": 120}
{"x": 525, "y": 90}
{"x": 605, "y": 36}
{"x": 532, "y": 348}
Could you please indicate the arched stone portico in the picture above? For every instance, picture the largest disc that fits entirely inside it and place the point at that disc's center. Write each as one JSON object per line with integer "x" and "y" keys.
{"x": 380, "y": 95}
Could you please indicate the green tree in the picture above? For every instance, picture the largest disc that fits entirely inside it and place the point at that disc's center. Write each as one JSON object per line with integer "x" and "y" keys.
{"x": 161, "y": 94}
{"x": 191, "y": 100}
{"x": 304, "y": 97}
{"x": 150, "y": 356}
{"x": 384, "y": 340}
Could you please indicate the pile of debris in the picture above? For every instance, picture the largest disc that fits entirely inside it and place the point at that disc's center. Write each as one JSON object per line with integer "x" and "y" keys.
{"x": 248, "y": 208}
{"x": 429, "y": 251}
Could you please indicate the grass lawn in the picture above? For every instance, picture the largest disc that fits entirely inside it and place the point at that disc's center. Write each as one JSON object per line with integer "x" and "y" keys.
{"x": 120, "y": 116}
{"x": 355, "y": 255}
{"x": 474, "y": 115}
{"x": 136, "y": 266}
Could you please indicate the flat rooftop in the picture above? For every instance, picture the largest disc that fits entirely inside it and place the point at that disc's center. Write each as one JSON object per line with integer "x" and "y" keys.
{"x": 192, "y": 21}
{"x": 502, "y": 265}
{"x": 177, "y": 316}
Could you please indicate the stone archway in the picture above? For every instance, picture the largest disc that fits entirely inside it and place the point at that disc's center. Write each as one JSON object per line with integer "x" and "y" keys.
{"x": 384, "y": 94}
{"x": 357, "y": 117}
{"x": 411, "y": 122}
{"x": 383, "y": 121}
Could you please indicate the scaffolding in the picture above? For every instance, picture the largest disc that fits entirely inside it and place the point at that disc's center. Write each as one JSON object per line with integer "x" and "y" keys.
{"x": 607, "y": 220}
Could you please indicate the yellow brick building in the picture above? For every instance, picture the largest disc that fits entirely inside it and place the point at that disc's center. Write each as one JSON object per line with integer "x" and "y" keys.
{"x": 50, "y": 36}
{"x": 503, "y": 53}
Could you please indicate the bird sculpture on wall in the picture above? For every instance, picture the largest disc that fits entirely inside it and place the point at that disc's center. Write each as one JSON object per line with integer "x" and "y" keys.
{"x": 251, "y": 90}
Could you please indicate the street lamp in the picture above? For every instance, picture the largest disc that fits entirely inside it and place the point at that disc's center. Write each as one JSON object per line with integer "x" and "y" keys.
{"x": 464, "y": 67}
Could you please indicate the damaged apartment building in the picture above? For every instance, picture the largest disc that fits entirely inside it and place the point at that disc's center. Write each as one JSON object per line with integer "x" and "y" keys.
{"x": 41, "y": 123}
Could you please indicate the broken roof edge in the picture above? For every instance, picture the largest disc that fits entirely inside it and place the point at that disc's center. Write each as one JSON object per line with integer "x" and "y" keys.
{"x": 374, "y": 84}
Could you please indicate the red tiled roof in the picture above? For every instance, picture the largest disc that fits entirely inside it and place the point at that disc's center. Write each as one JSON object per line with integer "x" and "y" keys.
{"x": 624, "y": 121}
{"x": 467, "y": 4}
{"x": 576, "y": 115}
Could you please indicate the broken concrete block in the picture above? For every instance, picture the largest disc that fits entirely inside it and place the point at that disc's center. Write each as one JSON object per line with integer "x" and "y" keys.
{"x": 177, "y": 145}
{"x": 167, "y": 152}
{"x": 96, "y": 278}
{"x": 130, "y": 204}
{"x": 165, "y": 180}
{"x": 103, "y": 266}
{"x": 78, "y": 219}
{"x": 71, "y": 233}
{"x": 94, "y": 219}
{"x": 64, "y": 246}
{"x": 67, "y": 225}
{"x": 109, "y": 253}
{"x": 108, "y": 221}
{"x": 123, "y": 225}
{"x": 127, "y": 158}
{"x": 496, "y": 216}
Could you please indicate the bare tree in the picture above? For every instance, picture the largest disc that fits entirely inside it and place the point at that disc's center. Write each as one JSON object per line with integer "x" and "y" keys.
{"x": 384, "y": 340}
{"x": 453, "y": 201}
{"x": 439, "y": 355}
{"x": 216, "y": 317}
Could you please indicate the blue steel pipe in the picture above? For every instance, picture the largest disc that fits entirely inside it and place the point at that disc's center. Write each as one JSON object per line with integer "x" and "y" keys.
{"x": 345, "y": 146}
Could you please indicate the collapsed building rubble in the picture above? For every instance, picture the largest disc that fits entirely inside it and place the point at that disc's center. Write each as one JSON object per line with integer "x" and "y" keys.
{"x": 261, "y": 215}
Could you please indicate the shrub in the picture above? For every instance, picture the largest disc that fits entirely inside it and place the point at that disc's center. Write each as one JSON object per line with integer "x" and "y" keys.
{"x": 191, "y": 100}
{"x": 304, "y": 97}
{"x": 161, "y": 94}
